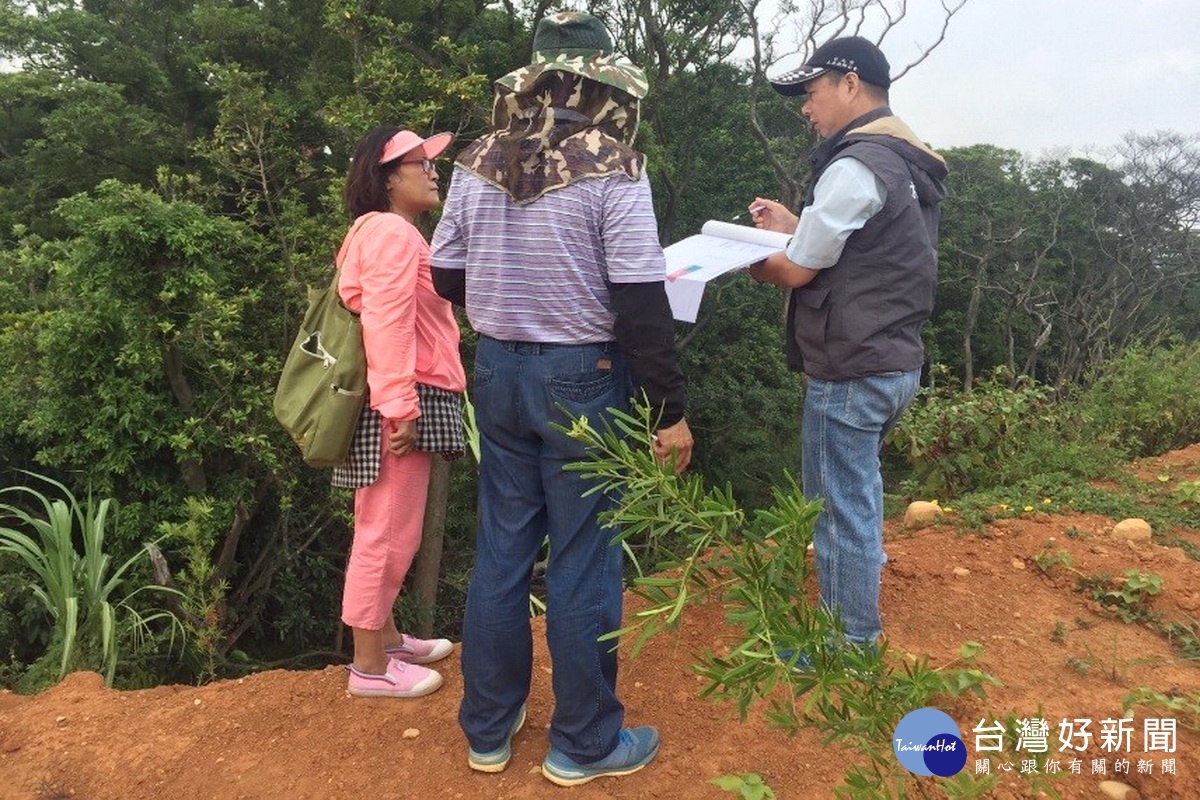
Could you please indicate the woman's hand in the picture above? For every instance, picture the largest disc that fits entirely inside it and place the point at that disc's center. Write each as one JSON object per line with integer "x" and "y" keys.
{"x": 772, "y": 215}
{"x": 401, "y": 435}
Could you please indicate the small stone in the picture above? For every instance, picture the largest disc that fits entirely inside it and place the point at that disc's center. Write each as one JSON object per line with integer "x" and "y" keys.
{"x": 60, "y": 720}
{"x": 1016, "y": 615}
{"x": 1133, "y": 529}
{"x": 410, "y": 733}
{"x": 1176, "y": 555}
{"x": 1119, "y": 791}
{"x": 920, "y": 512}
{"x": 196, "y": 701}
{"x": 961, "y": 572}
{"x": 1018, "y": 564}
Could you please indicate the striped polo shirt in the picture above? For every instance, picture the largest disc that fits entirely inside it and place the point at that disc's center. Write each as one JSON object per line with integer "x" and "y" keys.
{"x": 537, "y": 272}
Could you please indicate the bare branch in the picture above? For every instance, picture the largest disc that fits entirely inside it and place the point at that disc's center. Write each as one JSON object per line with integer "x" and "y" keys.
{"x": 949, "y": 13}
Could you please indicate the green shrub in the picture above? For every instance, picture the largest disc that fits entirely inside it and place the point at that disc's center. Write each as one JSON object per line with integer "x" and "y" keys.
{"x": 1006, "y": 432}
{"x": 753, "y": 564}
{"x": 1144, "y": 402}
{"x": 955, "y": 441}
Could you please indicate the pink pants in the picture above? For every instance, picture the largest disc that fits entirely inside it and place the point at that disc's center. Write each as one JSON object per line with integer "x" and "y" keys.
{"x": 387, "y": 532}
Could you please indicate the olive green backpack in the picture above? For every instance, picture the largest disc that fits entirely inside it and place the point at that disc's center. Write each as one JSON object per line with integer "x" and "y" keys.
{"x": 324, "y": 380}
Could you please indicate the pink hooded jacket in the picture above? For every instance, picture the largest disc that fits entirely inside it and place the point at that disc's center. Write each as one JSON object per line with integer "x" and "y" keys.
{"x": 409, "y": 332}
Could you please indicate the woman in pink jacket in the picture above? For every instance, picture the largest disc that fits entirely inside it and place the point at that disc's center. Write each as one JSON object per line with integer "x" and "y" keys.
{"x": 415, "y": 379}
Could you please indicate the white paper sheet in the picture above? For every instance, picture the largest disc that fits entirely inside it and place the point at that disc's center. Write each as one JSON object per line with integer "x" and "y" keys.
{"x": 720, "y": 247}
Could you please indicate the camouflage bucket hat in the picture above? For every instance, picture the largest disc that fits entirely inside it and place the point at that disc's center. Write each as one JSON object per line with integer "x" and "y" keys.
{"x": 578, "y": 43}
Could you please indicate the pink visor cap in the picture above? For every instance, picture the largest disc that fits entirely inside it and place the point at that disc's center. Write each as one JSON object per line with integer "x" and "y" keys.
{"x": 407, "y": 141}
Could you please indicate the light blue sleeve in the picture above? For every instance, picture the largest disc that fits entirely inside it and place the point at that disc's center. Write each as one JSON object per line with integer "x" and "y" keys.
{"x": 847, "y": 195}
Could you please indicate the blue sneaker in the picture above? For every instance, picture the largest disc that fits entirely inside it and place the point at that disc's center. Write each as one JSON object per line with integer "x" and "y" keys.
{"x": 636, "y": 747}
{"x": 496, "y": 760}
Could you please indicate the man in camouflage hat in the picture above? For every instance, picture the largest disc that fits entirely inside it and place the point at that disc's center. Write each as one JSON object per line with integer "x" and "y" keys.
{"x": 548, "y": 237}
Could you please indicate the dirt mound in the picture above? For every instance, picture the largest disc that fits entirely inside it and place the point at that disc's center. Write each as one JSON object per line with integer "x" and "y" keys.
{"x": 1060, "y": 655}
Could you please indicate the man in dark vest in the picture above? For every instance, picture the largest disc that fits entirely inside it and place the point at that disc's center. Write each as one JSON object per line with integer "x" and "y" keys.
{"x": 862, "y": 269}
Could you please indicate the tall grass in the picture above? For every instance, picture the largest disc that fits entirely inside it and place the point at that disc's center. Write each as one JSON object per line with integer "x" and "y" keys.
{"x": 90, "y": 602}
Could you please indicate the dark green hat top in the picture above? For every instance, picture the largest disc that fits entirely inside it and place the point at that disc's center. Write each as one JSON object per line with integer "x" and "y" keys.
{"x": 570, "y": 33}
{"x": 571, "y": 41}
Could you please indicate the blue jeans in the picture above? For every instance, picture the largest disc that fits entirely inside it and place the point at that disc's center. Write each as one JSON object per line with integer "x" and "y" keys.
{"x": 521, "y": 389}
{"x": 843, "y": 429}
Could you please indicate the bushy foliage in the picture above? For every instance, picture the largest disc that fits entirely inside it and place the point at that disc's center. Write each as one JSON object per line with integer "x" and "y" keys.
{"x": 1007, "y": 433}
{"x": 743, "y": 403}
{"x": 1144, "y": 402}
{"x": 955, "y": 441}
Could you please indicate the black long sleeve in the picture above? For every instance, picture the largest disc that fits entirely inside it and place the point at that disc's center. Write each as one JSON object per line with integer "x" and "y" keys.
{"x": 645, "y": 332}
{"x": 451, "y": 284}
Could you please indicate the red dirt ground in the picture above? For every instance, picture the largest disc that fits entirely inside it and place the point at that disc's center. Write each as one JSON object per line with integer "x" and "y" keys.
{"x": 299, "y": 735}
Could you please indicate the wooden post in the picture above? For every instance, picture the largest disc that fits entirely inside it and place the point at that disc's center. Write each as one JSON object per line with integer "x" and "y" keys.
{"x": 428, "y": 565}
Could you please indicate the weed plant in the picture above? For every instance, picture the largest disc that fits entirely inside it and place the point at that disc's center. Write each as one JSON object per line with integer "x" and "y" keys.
{"x": 1188, "y": 492}
{"x": 1184, "y": 706}
{"x": 1007, "y": 431}
{"x": 93, "y": 605}
{"x": 748, "y": 786}
{"x": 955, "y": 440}
{"x": 755, "y": 565}
{"x": 1144, "y": 402}
{"x": 202, "y": 593}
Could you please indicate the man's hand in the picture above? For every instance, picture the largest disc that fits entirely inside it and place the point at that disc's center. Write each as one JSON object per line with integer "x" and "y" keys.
{"x": 676, "y": 439}
{"x": 401, "y": 435}
{"x": 773, "y": 215}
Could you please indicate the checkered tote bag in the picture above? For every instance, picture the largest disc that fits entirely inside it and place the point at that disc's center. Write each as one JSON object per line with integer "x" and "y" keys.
{"x": 439, "y": 430}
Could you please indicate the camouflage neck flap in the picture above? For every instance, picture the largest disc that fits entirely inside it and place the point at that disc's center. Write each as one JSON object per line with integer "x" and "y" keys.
{"x": 561, "y": 129}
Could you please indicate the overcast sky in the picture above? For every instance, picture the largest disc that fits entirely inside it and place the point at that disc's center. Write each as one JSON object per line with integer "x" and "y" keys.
{"x": 1035, "y": 75}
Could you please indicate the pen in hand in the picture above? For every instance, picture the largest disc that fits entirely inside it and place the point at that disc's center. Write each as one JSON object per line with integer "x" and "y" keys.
{"x": 752, "y": 211}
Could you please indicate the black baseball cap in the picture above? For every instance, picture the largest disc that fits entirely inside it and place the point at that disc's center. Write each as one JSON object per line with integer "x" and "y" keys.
{"x": 847, "y": 54}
